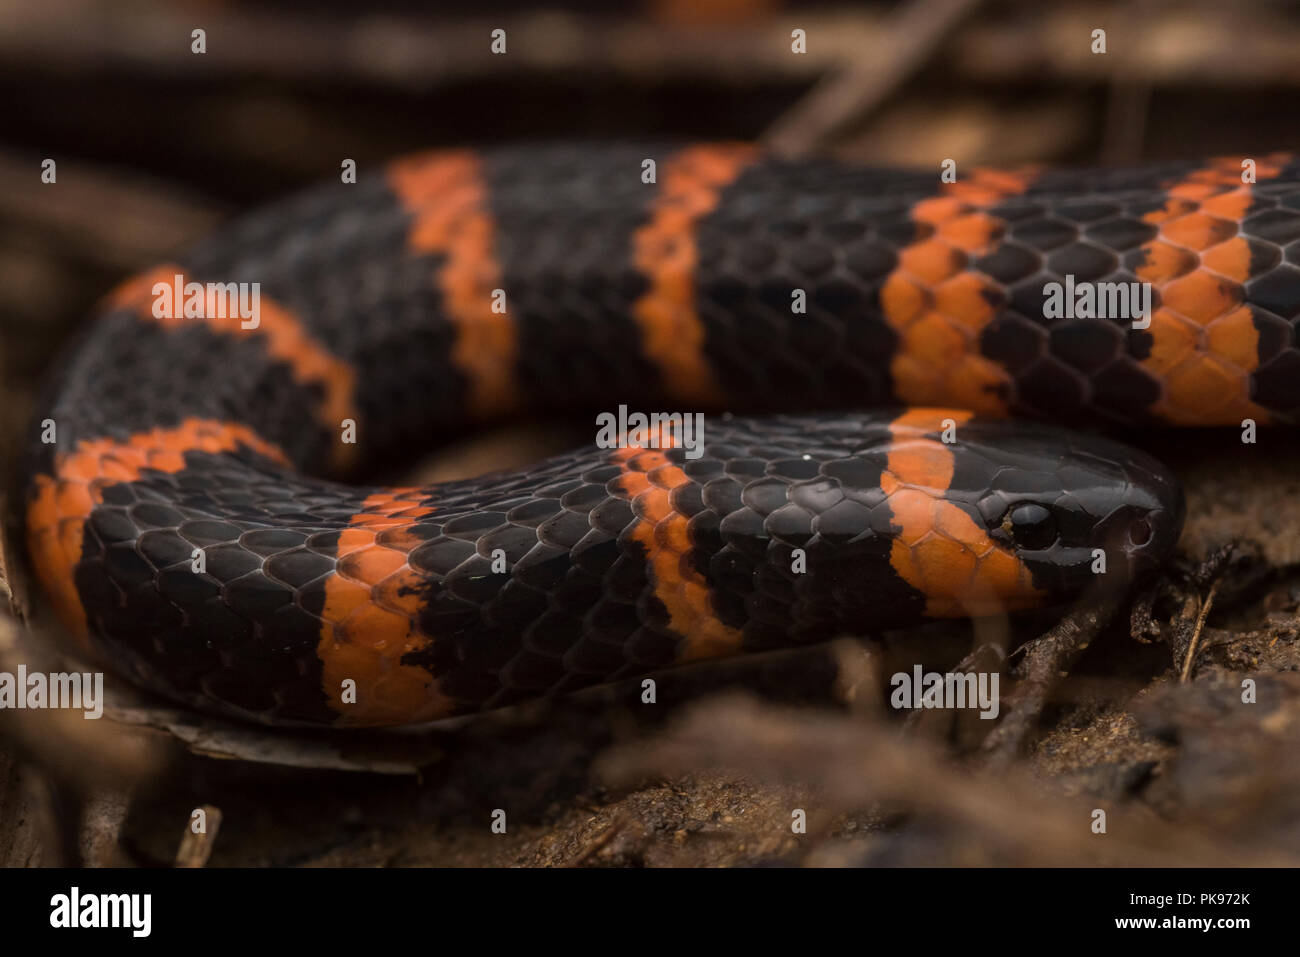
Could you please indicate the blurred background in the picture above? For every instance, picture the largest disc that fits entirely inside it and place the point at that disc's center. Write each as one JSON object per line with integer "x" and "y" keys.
{"x": 156, "y": 145}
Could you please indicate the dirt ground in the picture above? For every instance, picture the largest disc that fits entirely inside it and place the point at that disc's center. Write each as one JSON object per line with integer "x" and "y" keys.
{"x": 1148, "y": 726}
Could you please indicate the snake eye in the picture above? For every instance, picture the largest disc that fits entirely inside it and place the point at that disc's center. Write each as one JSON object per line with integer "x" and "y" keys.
{"x": 1030, "y": 525}
{"x": 1140, "y": 532}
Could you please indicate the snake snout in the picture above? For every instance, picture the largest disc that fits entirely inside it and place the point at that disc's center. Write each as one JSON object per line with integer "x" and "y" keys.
{"x": 1152, "y": 522}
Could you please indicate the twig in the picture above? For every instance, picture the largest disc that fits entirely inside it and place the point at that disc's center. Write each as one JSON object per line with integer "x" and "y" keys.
{"x": 1045, "y": 658}
{"x": 1196, "y": 634}
{"x": 196, "y": 848}
{"x": 910, "y": 39}
{"x": 600, "y": 842}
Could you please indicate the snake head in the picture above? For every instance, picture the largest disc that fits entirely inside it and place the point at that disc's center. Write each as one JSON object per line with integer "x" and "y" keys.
{"x": 972, "y": 517}
{"x": 1077, "y": 511}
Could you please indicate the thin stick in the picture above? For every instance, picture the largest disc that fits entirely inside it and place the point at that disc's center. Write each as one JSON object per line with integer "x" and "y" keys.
{"x": 1045, "y": 658}
{"x": 1196, "y": 635}
{"x": 911, "y": 37}
{"x": 196, "y": 848}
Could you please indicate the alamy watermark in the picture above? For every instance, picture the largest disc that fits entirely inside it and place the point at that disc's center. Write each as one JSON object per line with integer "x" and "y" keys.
{"x": 946, "y": 691}
{"x": 1098, "y": 300}
{"x": 74, "y": 909}
{"x": 37, "y": 690}
{"x": 179, "y": 299}
{"x": 678, "y": 430}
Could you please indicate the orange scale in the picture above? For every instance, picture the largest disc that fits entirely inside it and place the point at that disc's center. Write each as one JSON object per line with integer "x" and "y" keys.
{"x": 931, "y": 261}
{"x": 978, "y": 384}
{"x": 937, "y": 209}
{"x": 400, "y": 593}
{"x": 668, "y": 477}
{"x": 73, "y": 498}
{"x": 954, "y": 523}
{"x": 350, "y": 660}
{"x": 344, "y": 597}
{"x": 913, "y": 514}
{"x": 902, "y": 300}
{"x": 117, "y": 470}
{"x": 633, "y": 484}
{"x": 921, "y": 463}
{"x": 1002, "y": 182}
{"x": 401, "y": 537}
{"x": 945, "y": 566}
{"x": 652, "y": 507}
{"x": 964, "y": 298}
{"x": 1195, "y": 190}
{"x": 915, "y": 382}
{"x": 353, "y": 538}
{"x": 377, "y": 629}
{"x": 934, "y": 339}
{"x": 1202, "y": 296}
{"x": 975, "y": 194}
{"x": 648, "y": 461}
{"x": 1231, "y": 259}
{"x": 1198, "y": 230}
{"x": 673, "y": 534}
{"x": 1205, "y": 391}
{"x": 1235, "y": 339}
{"x": 1172, "y": 340}
{"x": 371, "y": 565}
{"x": 1231, "y": 205}
{"x": 973, "y": 232}
{"x": 1172, "y": 209}
{"x": 1164, "y": 261}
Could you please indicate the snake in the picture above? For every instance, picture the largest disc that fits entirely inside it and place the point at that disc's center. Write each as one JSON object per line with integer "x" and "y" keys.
{"x": 863, "y": 406}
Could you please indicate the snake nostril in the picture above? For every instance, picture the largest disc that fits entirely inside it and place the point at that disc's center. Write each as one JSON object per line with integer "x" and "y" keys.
{"x": 1141, "y": 532}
